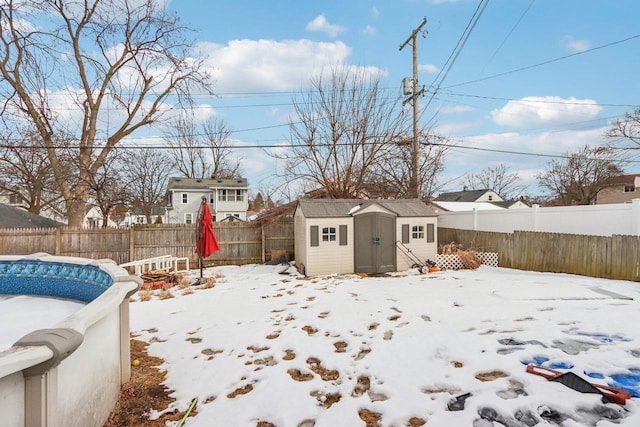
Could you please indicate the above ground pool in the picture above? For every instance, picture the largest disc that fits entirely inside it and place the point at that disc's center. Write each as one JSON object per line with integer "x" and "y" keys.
{"x": 68, "y": 373}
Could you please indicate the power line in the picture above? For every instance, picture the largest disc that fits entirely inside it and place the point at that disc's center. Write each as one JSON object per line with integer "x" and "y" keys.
{"x": 545, "y": 62}
{"x": 510, "y": 32}
{"x": 538, "y": 101}
{"x": 456, "y": 50}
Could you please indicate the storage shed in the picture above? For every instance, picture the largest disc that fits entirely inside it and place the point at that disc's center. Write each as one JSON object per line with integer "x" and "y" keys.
{"x": 363, "y": 236}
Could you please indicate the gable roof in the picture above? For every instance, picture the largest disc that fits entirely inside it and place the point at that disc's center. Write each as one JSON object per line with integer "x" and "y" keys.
{"x": 461, "y": 196}
{"x": 466, "y": 206}
{"x": 332, "y": 208}
{"x": 621, "y": 179}
{"x": 11, "y": 217}
{"x": 178, "y": 183}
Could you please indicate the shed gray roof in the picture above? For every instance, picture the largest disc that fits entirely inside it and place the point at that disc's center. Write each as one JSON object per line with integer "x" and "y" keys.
{"x": 461, "y": 196}
{"x": 177, "y": 183}
{"x": 331, "y": 208}
{"x": 11, "y": 217}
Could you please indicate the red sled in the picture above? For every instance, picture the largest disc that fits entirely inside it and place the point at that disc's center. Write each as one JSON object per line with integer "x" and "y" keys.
{"x": 614, "y": 395}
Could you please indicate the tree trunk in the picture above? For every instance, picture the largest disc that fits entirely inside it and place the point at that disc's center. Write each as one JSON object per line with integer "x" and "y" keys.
{"x": 75, "y": 212}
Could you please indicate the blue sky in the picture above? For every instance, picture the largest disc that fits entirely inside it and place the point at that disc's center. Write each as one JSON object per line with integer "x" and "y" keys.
{"x": 264, "y": 52}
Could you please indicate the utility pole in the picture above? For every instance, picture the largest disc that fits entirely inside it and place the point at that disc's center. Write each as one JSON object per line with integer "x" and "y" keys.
{"x": 414, "y": 185}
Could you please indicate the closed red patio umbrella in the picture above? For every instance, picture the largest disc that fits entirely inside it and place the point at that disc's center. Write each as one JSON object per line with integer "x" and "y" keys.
{"x": 206, "y": 241}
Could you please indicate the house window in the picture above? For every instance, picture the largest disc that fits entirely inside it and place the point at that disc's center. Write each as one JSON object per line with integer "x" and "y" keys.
{"x": 185, "y": 198}
{"x": 490, "y": 197}
{"x": 628, "y": 188}
{"x": 188, "y": 218}
{"x": 225, "y": 195}
{"x": 212, "y": 198}
{"x": 417, "y": 232}
{"x": 328, "y": 234}
{"x": 228, "y": 195}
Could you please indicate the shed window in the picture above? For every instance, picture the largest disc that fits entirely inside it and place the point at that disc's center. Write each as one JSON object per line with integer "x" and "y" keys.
{"x": 417, "y": 232}
{"x": 431, "y": 233}
{"x": 343, "y": 235}
{"x": 328, "y": 234}
{"x": 313, "y": 238}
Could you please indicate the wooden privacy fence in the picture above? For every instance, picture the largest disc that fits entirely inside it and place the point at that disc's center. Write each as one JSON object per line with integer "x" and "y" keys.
{"x": 612, "y": 257}
{"x": 239, "y": 243}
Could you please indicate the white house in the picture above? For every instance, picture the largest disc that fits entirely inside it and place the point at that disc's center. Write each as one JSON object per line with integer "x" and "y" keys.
{"x": 468, "y": 200}
{"x": 363, "y": 236}
{"x": 226, "y": 197}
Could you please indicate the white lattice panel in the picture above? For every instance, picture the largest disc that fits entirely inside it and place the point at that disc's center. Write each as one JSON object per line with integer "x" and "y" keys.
{"x": 453, "y": 262}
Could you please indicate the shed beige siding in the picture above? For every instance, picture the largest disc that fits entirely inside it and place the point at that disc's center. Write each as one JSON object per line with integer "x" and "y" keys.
{"x": 422, "y": 249}
{"x": 328, "y": 257}
{"x": 299, "y": 227}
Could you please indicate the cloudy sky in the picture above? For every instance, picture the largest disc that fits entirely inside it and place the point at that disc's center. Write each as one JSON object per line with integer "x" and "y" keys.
{"x": 530, "y": 79}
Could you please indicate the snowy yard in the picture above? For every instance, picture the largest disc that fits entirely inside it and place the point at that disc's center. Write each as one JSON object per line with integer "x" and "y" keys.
{"x": 337, "y": 350}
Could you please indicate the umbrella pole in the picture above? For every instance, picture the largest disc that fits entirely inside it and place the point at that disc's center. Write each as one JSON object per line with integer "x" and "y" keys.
{"x": 201, "y": 262}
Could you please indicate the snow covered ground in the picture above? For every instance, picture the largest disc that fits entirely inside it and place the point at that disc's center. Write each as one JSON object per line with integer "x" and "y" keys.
{"x": 447, "y": 348}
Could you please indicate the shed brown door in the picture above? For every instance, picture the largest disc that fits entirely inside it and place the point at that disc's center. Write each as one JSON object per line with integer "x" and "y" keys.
{"x": 374, "y": 243}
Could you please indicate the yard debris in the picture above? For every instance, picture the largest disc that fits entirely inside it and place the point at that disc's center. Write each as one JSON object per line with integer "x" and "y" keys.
{"x": 469, "y": 257}
{"x": 571, "y": 380}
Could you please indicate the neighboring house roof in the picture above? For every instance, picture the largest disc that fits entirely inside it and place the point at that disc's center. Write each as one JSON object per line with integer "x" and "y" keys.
{"x": 11, "y": 217}
{"x": 462, "y": 196}
{"x": 204, "y": 183}
{"x": 269, "y": 214}
{"x": 622, "y": 179}
{"x": 331, "y": 208}
{"x": 508, "y": 204}
{"x": 467, "y": 206}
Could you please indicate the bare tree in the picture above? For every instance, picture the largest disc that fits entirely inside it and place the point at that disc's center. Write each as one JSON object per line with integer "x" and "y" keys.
{"x": 145, "y": 178}
{"x": 98, "y": 69}
{"x": 25, "y": 172}
{"x": 202, "y": 150}
{"x": 342, "y": 124}
{"x": 107, "y": 187}
{"x": 627, "y": 127}
{"x": 497, "y": 178}
{"x": 577, "y": 178}
{"x": 391, "y": 175}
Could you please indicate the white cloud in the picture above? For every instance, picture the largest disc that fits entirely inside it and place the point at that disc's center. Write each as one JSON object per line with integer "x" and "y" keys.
{"x": 576, "y": 45}
{"x": 428, "y": 68}
{"x": 501, "y": 148}
{"x": 320, "y": 23}
{"x": 262, "y": 65}
{"x": 369, "y": 31}
{"x": 375, "y": 12}
{"x": 536, "y": 111}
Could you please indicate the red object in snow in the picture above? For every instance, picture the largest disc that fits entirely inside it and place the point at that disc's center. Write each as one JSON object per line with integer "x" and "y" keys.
{"x": 615, "y": 395}
{"x": 207, "y": 243}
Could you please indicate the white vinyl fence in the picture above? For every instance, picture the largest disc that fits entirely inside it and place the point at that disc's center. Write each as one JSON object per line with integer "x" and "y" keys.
{"x": 594, "y": 220}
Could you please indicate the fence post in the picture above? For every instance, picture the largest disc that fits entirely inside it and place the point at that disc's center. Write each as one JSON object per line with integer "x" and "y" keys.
{"x": 475, "y": 219}
{"x": 635, "y": 217}
{"x": 58, "y": 240}
{"x": 263, "y": 243}
{"x": 132, "y": 245}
